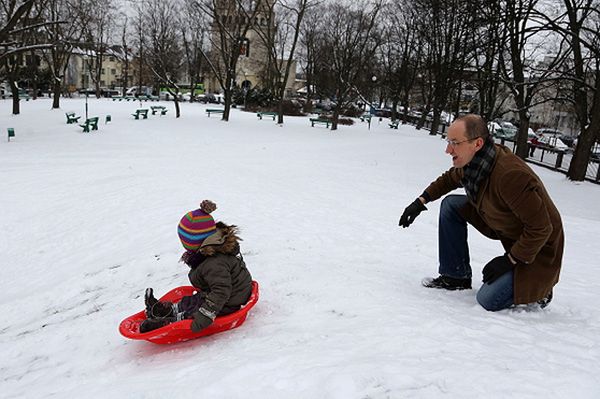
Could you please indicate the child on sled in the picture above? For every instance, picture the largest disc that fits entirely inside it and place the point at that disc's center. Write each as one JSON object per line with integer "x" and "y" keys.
{"x": 217, "y": 270}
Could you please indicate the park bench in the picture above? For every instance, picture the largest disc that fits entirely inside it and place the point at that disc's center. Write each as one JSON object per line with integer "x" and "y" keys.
{"x": 130, "y": 98}
{"x": 365, "y": 117}
{"x": 156, "y": 108}
{"x": 90, "y": 124}
{"x": 394, "y": 124}
{"x": 11, "y": 133}
{"x": 71, "y": 118}
{"x": 142, "y": 111}
{"x": 270, "y": 114}
{"x": 319, "y": 121}
{"x": 120, "y": 98}
{"x": 214, "y": 111}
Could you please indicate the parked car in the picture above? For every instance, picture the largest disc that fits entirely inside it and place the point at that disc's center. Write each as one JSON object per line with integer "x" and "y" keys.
{"x": 568, "y": 140}
{"x": 383, "y": 112}
{"x": 553, "y": 142}
{"x": 565, "y": 138}
{"x": 207, "y": 98}
{"x": 595, "y": 153}
{"x": 505, "y": 130}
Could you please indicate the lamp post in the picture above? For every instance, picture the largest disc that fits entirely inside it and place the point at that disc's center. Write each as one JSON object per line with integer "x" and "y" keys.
{"x": 374, "y": 80}
{"x": 371, "y": 110}
{"x": 86, "y": 69}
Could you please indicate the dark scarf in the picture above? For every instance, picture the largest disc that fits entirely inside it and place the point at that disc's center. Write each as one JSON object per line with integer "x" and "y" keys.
{"x": 478, "y": 170}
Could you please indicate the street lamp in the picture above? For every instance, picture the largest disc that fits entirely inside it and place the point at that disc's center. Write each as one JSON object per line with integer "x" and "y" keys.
{"x": 86, "y": 69}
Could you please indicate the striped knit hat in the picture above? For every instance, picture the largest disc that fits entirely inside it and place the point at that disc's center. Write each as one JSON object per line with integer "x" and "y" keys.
{"x": 196, "y": 225}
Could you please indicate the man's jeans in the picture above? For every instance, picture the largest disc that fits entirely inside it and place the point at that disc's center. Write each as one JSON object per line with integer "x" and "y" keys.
{"x": 454, "y": 256}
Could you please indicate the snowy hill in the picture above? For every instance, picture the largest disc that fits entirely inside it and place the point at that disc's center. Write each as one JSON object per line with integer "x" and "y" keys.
{"x": 89, "y": 221}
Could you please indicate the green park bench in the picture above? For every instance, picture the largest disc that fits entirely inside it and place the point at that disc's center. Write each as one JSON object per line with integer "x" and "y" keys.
{"x": 120, "y": 98}
{"x": 130, "y": 98}
{"x": 90, "y": 124}
{"x": 156, "y": 108}
{"x": 365, "y": 117}
{"x": 269, "y": 114}
{"x": 320, "y": 122}
{"x": 11, "y": 133}
{"x": 71, "y": 118}
{"x": 394, "y": 124}
{"x": 148, "y": 97}
{"x": 143, "y": 112}
{"x": 214, "y": 111}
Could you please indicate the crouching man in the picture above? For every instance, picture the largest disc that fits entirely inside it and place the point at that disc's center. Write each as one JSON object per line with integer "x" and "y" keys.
{"x": 505, "y": 200}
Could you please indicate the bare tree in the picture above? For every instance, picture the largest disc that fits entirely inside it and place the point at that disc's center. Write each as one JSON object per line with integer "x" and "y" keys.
{"x": 579, "y": 24}
{"x": 400, "y": 55}
{"x": 280, "y": 35}
{"x": 230, "y": 21}
{"x": 448, "y": 36}
{"x": 311, "y": 52}
{"x": 489, "y": 37}
{"x": 65, "y": 37}
{"x": 21, "y": 22}
{"x": 163, "y": 52}
{"x": 97, "y": 36}
{"x": 352, "y": 36}
{"x": 523, "y": 75}
{"x": 193, "y": 33}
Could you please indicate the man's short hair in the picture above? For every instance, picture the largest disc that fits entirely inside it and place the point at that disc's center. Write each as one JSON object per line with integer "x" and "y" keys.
{"x": 475, "y": 126}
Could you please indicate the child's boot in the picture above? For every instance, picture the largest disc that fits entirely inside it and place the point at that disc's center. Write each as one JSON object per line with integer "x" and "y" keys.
{"x": 156, "y": 309}
{"x": 152, "y": 324}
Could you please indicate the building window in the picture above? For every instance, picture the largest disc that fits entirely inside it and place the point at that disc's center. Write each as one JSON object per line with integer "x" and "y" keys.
{"x": 245, "y": 47}
{"x": 103, "y": 71}
{"x": 112, "y": 59}
{"x": 113, "y": 71}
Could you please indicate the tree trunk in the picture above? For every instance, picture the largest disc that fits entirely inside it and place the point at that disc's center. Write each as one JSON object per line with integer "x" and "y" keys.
{"x": 586, "y": 140}
{"x": 227, "y": 93}
{"x": 336, "y": 116}
{"x": 435, "y": 123}
{"x": 522, "y": 135}
{"x": 280, "y": 112}
{"x": 177, "y": 110}
{"x": 15, "y": 100}
{"x": 56, "y": 94}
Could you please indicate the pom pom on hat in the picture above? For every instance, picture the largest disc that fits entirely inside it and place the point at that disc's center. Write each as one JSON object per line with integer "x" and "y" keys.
{"x": 196, "y": 225}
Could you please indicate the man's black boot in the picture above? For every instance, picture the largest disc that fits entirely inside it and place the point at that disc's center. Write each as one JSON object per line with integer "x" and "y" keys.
{"x": 447, "y": 283}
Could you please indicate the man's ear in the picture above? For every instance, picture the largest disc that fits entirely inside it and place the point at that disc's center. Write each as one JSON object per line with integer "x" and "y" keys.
{"x": 479, "y": 143}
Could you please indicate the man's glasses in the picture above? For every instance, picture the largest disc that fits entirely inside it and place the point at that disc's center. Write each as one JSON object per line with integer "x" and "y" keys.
{"x": 454, "y": 143}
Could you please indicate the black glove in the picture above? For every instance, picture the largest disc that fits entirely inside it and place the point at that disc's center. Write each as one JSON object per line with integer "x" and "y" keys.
{"x": 201, "y": 321}
{"x": 411, "y": 212}
{"x": 496, "y": 268}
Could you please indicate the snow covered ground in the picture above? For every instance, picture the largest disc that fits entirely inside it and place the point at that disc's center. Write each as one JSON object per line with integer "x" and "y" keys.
{"x": 89, "y": 220}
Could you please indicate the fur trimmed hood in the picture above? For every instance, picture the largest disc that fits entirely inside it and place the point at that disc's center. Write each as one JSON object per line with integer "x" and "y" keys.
{"x": 224, "y": 241}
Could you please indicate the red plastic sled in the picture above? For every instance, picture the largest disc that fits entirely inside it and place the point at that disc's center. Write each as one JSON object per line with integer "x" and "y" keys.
{"x": 181, "y": 331}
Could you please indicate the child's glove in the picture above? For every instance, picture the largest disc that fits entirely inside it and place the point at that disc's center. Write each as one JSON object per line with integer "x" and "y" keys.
{"x": 202, "y": 319}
